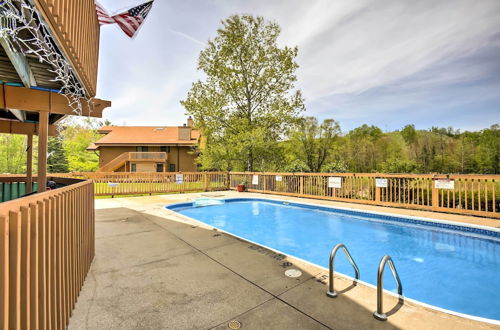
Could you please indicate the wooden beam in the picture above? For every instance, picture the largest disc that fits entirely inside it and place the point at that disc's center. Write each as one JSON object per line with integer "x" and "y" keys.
{"x": 42, "y": 151}
{"x": 20, "y": 63}
{"x": 29, "y": 163}
{"x": 16, "y": 127}
{"x": 28, "y": 99}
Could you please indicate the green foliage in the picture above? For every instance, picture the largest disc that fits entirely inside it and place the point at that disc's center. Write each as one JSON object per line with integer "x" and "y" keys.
{"x": 77, "y": 136}
{"x": 438, "y": 150}
{"x": 409, "y": 134}
{"x": 247, "y": 101}
{"x": 57, "y": 162}
{"x": 314, "y": 141}
{"x": 12, "y": 153}
{"x": 337, "y": 166}
{"x": 296, "y": 166}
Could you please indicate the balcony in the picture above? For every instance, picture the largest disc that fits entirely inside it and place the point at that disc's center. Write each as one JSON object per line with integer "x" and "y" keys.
{"x": 125, "y": 157}
{"x": 76, "y": 29}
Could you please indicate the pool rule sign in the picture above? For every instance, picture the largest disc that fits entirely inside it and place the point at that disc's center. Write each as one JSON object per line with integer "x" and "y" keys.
{"x": 335, "y": 182}
{"x": 380, "y": 183}
{"x": 444, "y": 184}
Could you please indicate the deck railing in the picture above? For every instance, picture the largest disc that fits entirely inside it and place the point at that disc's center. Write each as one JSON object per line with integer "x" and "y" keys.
{"x": 461, "y": 194}
{"x": 125, "y": 183}
{"x": 46, "y": 248}
{"x": 120, "y": 160}
{"x": 76, "y": 29}
{"x": 464, "y": 194}
{"x": 158, "y": 156}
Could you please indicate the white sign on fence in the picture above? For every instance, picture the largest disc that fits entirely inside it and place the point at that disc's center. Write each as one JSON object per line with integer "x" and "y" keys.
{"x": 255, "y": 179}
{"x": 335, "y": 182}
{"x": 279, "y": 178}
{"x": 113, "y": 184}
{"x": 381, "y": 183}
{"x": 444, "y": 184}
{"x": 179, "y": 178}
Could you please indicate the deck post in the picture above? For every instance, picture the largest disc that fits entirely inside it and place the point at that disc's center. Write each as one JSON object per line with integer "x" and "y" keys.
{"x": 205, "y": 181}
{"x": 301, "y": 185}
{"x": 377, "y": 194}
{"x": 435, "y": 195}
{"x": 29, "y": 163}
{"x": 42, "y": 150}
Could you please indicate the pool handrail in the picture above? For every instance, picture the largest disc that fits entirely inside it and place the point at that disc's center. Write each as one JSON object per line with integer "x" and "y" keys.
{"x": 331, "y": 291}
{"x": 379, "y": 314}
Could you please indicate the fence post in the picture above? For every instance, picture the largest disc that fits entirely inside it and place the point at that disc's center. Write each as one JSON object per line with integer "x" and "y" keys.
{"x": 301, "y": 185}
{"x": 435, "y": 195}
{"x": 377, "y": 194}
{"x": 205, "y": 180}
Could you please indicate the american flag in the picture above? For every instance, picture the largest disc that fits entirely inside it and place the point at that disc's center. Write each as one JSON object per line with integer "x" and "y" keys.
{"x": 129, "y": 21}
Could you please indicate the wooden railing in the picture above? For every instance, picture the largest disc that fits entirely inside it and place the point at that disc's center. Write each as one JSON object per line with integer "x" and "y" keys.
{"x": 15, "y": 186}
{"x": 114, "y": 163}
{"x": 46, "y": 248}
{"x": 159, "y": 156}
{"x": 133, "y": 156}
{"x": 121, "y": 183}
{"x": 76, "y": 29}
{"x": 463, "y": 194}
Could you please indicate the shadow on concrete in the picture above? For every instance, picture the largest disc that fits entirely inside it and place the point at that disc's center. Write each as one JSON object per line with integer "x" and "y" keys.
{"x": 397, "y": 307}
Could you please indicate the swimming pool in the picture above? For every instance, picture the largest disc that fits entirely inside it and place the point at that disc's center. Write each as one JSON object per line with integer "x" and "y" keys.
{"x": 452, "y": 267}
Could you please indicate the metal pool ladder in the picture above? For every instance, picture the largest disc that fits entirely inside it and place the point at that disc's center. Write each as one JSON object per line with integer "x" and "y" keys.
{"x": 331, "y": 292}
{"x": 379, "y": 314}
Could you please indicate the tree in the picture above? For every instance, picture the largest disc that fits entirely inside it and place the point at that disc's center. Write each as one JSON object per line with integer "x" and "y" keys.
{"x": 12, "y": 153}
{"x": 77, "y": 135}
{"x": 315, "y": 141}
{"x": 247, "y": 101}
{"x": 57, "y": 161}
{"x": 409, "y": 134}
{"x": 489, "y": 150}
{"x": 363, "y": 153}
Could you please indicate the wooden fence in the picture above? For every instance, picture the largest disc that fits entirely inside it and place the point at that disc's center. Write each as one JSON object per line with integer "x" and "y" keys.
{"x": 46, "y": 248}
{"x": 463, "y": 194}
{"x": 122, "y": 183}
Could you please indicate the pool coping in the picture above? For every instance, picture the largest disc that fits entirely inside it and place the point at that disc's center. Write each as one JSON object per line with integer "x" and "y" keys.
{"x": 427, "y": 221}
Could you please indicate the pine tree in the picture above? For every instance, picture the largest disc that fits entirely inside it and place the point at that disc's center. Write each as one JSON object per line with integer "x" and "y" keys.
{"x": 56, "y": 162}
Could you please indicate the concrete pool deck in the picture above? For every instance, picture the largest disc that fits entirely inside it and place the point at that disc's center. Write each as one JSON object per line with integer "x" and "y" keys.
{"x": 155, "y": 270}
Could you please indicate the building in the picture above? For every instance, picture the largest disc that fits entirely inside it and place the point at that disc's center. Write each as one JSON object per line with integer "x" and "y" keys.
{"x": 147, "y": 148}
{"x": 49, "y": 54}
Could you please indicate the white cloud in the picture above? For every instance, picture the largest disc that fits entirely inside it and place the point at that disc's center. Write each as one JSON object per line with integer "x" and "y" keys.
{"x": 392, "y": 54}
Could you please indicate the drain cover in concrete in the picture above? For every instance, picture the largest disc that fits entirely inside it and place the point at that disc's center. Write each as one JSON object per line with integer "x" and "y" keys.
{"x": 293, "y": 273}
{"x": 234, "y": 324}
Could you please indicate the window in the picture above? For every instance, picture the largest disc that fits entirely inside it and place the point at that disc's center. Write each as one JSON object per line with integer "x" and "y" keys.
{"x": 159, "y": 167}
{"x": 165, "y": 148}
{"x": 171, "y": 167}
{"x": 133, "y": 167}
{"x": 141, "y": 149}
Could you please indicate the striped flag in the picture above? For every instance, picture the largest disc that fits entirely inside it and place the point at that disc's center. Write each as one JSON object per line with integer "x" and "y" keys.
{"x": 129, "y": 21}
{"x": 102, "y": 15}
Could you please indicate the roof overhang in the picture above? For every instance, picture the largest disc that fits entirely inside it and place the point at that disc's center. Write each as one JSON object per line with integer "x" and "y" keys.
{"x": 168, "y": 144}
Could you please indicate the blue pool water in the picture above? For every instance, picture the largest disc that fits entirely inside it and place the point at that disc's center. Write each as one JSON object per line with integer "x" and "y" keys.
{"x": 444, "y": 267}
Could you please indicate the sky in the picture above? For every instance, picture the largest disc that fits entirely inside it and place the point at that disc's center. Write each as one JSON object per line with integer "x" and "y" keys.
{"x": 387, "y": 63}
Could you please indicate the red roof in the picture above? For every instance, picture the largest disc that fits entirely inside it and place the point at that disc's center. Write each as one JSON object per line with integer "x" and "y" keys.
{"x": 145, "y": 135}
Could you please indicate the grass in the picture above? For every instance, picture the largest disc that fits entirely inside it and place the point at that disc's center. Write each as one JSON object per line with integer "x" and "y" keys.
{"x": 132, "y": 189}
